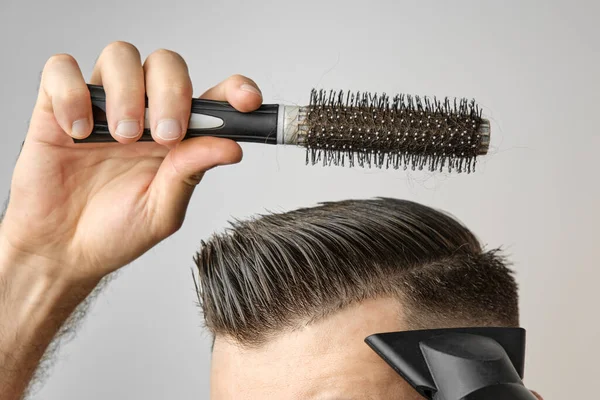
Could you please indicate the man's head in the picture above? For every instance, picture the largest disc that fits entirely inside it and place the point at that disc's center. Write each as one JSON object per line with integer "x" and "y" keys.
{"x": 291, "y": 297}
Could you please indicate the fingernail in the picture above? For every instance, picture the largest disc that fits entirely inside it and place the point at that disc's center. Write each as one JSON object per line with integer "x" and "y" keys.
{"x": 246, "y": 87}
{"x": 80, "y": 128}
{"x": 128, "y": 129}
{"x": 168, "y": 129}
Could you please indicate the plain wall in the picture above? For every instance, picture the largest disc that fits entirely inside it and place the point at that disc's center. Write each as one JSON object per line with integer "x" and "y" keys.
{"x": 533, "y": 66}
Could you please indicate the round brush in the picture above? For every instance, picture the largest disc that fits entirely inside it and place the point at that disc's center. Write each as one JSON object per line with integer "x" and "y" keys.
{"x": 339, "y": 128}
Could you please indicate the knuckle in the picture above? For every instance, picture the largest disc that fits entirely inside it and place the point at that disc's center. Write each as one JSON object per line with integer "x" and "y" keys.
{"x": 165, "y": 53}
{"x": 120, "y": 47}
{"x": 60, "y": 59}
{"x": 165, "y": 57}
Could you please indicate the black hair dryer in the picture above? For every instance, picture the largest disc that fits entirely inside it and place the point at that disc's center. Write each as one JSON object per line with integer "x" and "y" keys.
{"x": 458, "y": 363}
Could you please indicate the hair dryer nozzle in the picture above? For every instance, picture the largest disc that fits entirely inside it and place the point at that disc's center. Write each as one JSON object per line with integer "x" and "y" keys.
{"x": 458, "y": 364}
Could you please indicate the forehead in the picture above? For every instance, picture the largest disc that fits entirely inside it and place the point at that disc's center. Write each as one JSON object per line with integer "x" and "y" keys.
{"x": 327, "y": 360}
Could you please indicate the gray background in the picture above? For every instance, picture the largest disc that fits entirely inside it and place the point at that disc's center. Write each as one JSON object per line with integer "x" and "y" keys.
{"x": 532, "y": 65}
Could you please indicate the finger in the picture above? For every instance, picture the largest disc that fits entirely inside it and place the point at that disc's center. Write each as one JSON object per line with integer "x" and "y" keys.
{"x": 239, "y": 91}
{"x": 178, "y": 175}
{"x": 169, "y": 90}
{"x": 63, "y": 104}
{"x": 119, "y": 70}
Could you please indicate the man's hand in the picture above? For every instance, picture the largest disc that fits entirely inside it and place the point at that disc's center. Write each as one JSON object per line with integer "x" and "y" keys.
{"x": 91, "y": 208}
{"x": 80, "y": 211}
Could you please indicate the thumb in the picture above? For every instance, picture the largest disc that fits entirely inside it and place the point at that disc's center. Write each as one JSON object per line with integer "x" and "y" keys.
{"x": 180, "y": 172}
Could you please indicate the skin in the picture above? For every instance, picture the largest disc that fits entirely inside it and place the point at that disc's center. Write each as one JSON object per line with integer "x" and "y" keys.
{"x": 79, "y": 212}
{"x": 318, "y": 362}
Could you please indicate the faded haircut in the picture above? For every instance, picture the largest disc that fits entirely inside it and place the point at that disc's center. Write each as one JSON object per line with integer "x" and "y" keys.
{"x": 278, "y": 272}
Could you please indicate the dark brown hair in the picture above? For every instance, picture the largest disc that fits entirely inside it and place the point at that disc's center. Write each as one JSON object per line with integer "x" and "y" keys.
{"x": 278, "y": 272}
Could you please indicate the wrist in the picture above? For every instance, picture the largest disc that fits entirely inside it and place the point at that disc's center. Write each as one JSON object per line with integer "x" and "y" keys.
{"x": 53, "y": 269}
{"x": 33, "y": 306}
{"x": 34, "y": 303}
{"x": 34, "y": 278}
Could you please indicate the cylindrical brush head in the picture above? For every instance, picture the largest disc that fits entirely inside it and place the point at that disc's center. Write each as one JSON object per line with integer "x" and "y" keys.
{"x": 401, "y": 132}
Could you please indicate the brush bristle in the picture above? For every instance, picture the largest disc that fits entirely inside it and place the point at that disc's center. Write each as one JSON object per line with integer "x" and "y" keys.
{"x": 405, "y": 131}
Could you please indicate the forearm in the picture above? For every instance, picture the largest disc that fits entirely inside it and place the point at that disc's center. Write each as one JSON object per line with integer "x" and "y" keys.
{"x": 33, "y": 306}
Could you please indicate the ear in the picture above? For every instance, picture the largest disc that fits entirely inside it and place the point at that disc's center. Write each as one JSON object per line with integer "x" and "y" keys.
{"x": 537, "y": 395}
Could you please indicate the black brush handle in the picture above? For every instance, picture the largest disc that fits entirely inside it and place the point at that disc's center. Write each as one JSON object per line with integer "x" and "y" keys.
{"x": 259, "y": 126}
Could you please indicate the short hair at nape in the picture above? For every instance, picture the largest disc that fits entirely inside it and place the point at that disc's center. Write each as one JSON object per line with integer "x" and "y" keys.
{"x": 278, "y": 272}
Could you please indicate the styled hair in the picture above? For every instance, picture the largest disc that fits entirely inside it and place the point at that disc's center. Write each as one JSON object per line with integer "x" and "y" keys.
{"x": 278, "y": 272}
